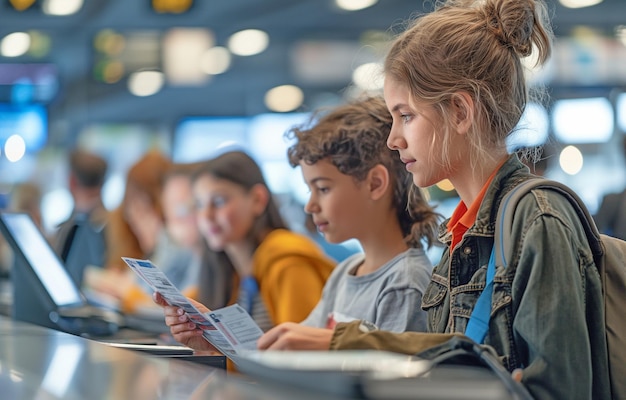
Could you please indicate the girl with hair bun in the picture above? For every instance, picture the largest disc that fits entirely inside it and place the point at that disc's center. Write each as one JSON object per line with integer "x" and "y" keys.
{"x": 455, "y": 86}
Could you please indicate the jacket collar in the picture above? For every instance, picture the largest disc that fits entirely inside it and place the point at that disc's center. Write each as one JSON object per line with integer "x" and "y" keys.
{"x": 511, "y": 173}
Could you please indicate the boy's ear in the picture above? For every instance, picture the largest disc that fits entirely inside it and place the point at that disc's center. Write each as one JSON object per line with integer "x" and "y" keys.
{"x": 378, "y": 181}
{"x": 462, "y": 111}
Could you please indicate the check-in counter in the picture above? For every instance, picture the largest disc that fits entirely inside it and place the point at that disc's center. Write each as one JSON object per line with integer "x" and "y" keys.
{"x": 41, "y": 363}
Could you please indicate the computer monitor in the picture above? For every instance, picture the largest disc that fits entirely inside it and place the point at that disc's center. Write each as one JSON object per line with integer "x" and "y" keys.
{"x": 43, "y": 291}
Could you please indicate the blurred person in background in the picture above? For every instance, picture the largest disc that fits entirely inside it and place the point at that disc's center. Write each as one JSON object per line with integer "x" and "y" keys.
{"x": 133, "y": 229}
{"x": 275, "y": 274}
{"x": 80, "y": 240}
{"x": 158, "y": 210}
{"x": 135, "y": 225}
{"x": 180, "y": 250}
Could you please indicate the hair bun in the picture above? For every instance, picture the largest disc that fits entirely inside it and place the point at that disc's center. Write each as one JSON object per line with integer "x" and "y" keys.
{"x": 511, "y": 22}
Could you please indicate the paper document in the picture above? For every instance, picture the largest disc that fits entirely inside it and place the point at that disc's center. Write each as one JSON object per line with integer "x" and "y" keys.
{"x": 230, "y": 329}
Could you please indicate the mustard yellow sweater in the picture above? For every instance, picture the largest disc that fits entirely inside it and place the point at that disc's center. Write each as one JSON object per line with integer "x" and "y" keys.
{"x": 291, "y": 271}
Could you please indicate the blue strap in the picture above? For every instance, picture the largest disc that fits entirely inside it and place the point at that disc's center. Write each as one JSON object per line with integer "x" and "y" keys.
{"x": 478, "y": 324}
{"x": 250, "y": 286}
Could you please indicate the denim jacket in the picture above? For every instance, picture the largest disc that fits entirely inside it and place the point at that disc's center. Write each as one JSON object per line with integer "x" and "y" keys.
{"x": 546, "y": 312}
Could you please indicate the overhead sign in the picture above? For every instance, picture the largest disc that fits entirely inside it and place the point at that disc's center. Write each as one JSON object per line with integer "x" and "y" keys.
{"x": 171, "y": 6}
{"x": 21, "y": 5}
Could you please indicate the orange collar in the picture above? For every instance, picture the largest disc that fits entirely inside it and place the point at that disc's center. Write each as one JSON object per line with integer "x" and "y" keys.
{"x": 463, "y": 217}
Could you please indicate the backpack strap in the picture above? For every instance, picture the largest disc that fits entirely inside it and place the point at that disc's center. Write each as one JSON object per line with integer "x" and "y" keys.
{"x": 506, "y": 212}
{"x": 478, "y": 324}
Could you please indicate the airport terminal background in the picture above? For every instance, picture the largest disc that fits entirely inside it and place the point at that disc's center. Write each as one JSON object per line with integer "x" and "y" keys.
{"x": 119, "y": 78}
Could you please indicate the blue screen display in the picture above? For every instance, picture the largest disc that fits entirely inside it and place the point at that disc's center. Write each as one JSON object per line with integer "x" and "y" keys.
{"x": 30, "y": 121}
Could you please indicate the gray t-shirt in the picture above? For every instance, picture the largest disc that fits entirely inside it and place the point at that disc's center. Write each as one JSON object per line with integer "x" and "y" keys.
{"x": 389, "y": 297}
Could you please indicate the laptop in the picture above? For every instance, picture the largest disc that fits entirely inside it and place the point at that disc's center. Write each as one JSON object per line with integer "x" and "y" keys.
{"x": 45, "y": 294}
{"x": 43, "y": 291}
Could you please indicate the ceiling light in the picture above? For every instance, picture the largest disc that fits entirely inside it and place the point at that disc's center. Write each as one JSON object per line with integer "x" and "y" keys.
{"x": 183, "y": 49}
{"x": 248, "y": 42}
{"x": 571, "y": 160}
{"x": 15, "y": 44}
{"x": 579, "y": 3}
{"x": 61, "y": 7}
{"x": 14, "y": 148}
{"x": 215, "y": 60}
{"x": 369, "y": 76}
{"x": 284, "y": 98}
{"x": 145, "y": 83}
{"x": 354, "y": 5}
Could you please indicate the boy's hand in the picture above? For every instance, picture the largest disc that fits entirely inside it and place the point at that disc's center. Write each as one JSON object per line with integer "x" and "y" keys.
{"x": 292, "y": 336}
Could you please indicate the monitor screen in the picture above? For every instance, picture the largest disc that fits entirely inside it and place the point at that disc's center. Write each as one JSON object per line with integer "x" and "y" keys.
{"x": 586, "y": 120}
{"x": 29, "y": 121}
{"x": 266, "y": 134}
{"x": 27, "y": 241}
{"x": 199, "y": 138}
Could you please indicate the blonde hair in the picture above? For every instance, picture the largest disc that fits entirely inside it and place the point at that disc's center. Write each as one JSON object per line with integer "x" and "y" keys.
{"x": 474, "y": 47}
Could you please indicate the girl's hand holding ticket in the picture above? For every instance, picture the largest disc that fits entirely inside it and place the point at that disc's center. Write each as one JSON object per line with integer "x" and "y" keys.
{"x": 182, "y": 329}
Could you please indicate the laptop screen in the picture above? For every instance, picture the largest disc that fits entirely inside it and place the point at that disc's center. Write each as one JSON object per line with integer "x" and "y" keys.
{"x": 26, "y": 240}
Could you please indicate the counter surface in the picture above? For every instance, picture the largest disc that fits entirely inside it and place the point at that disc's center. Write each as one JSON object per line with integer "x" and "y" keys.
{"x": 41, "y": 363}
